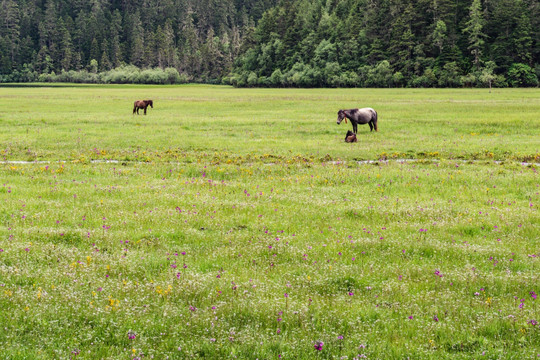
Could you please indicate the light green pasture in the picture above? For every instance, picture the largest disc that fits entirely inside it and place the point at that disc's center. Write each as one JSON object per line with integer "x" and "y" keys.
{"x": 235, "y": 223}
{"x": 70, "y": 122}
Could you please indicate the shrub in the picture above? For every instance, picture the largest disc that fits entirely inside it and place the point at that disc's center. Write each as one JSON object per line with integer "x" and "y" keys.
{"x": 522, "y": 75}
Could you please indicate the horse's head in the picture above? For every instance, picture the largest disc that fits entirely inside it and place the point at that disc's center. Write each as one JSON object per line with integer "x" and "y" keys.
{"x": 151, "y": 103}
{"x": 341, "y": 116}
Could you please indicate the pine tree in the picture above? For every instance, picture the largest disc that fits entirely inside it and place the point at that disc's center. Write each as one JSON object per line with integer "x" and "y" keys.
{"x": 474, "y": 29}
{"x": 105, "y": 62}
{"x": 523, "y": 40}
{"x": 94, "y": 50}
{"x": 137, "y": 41}
{"x": 9, "y": 27}
{"x": 66, "y": 50}
{"x": 438, "y": 37}
{"x": 116, "y": 29}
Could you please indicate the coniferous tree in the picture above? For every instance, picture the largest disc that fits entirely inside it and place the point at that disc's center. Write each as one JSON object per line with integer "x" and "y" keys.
{"x": 9, "y": 28}
{"x": 474, "y": 29}
{"x": 66, "y": 50}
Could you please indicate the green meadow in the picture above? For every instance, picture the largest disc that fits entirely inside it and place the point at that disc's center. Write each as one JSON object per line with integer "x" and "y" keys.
{"x": 237, "y": 224}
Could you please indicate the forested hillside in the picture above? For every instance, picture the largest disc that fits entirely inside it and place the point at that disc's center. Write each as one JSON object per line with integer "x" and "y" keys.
{"x": 394, "y": 43}
{"x": 377, "y": 43}
{"x": 199, "y": 38}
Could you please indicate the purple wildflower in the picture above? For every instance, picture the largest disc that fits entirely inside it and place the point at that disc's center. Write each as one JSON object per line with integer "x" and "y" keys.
{"x": 318, "y": 345}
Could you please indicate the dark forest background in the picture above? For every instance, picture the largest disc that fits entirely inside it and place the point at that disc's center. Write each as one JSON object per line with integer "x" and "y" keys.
{"x": 308, "y": 43}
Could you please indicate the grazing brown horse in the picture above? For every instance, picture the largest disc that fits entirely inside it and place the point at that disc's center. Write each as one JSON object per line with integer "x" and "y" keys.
{"x": 142, "y": 104}
{"x": 350, "y": 137}
{"x": 359, "y": 116}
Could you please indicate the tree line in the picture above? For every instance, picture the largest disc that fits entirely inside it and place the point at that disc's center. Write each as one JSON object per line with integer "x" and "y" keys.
{"x": 79, "y": 39}
{"x": 308, "y": 43}
{"x": 394, "y": 43}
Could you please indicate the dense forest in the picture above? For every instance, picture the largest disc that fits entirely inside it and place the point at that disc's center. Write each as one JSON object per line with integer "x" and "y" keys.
{"x": 309, "y": 43}
{"x": 198, "y": 39}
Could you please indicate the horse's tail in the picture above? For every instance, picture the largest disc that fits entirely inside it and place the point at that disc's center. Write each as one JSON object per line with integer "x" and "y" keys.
{"x": 374, "y": 119}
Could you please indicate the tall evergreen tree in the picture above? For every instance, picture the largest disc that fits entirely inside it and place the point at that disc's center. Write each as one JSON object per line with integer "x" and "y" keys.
{"x": 9, "y": 28}
{"x": 474, "y": 29}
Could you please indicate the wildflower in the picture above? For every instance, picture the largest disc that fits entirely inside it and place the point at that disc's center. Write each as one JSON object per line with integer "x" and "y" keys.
{"x": 286, "y": 295}
{"x": 131, "y": 335}
{"x": 340, "y": 337}
{"x": 318, "y": 345}
{"x": 533, "y": 294}
{"x": 411, "y": 317}
{"x": 351, "y": 293}
{"x": 533, "y": 322}
{"x": 435, "y": 318}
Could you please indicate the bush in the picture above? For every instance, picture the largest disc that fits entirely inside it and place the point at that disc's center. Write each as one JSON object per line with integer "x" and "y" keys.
{"x": 252, "y": 79}
{"x": 276, "y": 79}
{"x": 127, "y": 74}
{"x": 450, "y": 75}
{"x": 380, "y": 75}
{"x": 522, "y": 75}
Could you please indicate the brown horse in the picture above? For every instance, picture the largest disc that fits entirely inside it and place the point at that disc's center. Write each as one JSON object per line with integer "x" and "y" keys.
{"x": 142, "y": 104}
{"x": 350, "y": 137}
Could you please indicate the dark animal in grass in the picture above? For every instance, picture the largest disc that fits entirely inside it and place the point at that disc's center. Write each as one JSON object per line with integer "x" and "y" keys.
{"x": 359, "y": 116}
{"x": 350, "y": 137}
{"x": 142, "y": 104}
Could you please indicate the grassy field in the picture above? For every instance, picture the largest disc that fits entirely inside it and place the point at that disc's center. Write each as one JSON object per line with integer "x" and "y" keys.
{"x": 236, "y": 223}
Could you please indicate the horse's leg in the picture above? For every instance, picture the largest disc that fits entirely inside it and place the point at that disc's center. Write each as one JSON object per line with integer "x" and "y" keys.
{"x": 355, "y": 127}
{"x": 370, "y": 126}
{"x": 145, "y": 109}
{"x": 134, "y": 108}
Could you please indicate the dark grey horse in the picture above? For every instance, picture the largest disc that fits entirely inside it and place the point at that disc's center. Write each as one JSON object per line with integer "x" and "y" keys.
{"x": 359, "y": 116}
